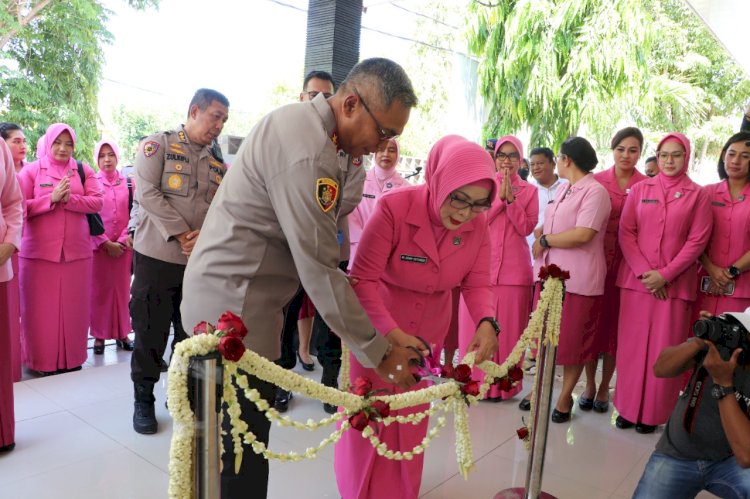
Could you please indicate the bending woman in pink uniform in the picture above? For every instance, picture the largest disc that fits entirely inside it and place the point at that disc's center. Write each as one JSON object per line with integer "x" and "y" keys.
{"x": 420, "y": 243}
{"x": 665, "y": 225}
{"x": 513, "y": 216}
{"x": 56, "y": 255}
{"x": 113, "y": 254}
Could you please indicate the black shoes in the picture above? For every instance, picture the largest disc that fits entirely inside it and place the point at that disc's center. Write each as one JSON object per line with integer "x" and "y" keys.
{"x": 644, "y": 428}
{"x": 98, "y": 347}
{"x": 623, "y": 423}
{"x": 585, "y": 404}
{"x": 562, "y": 417}
{"x": 305, "y": 366}
{"x": 8, "y": 448}
{"x": 601, "y": 406}
{"x": 144, "y": 416}
{"x": 163, "y": 366}
{"x": 126, "y": 344}
{"x": 283, "y": 398}
{"x": 525, "y": 404}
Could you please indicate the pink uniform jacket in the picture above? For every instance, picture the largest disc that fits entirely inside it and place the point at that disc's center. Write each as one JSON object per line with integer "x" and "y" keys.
{"x": 403, "y": 265}
{"x": 11, "y": 208}
{"x": 509, "y": 226}
{"x": 730, "y": 237}
{"x": 114, "y": 210}
{"x": 664, "y": 234}
{"x": 61, "y": 234}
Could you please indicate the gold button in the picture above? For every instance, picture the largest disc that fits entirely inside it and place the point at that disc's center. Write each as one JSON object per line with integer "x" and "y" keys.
{"x": 178, "y": 168}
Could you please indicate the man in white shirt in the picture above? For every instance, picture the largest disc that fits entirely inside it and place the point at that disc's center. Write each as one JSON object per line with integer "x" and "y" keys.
{"x": 542, "y": 164}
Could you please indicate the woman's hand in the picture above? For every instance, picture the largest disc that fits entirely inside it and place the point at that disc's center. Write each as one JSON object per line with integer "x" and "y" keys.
{"x": 484, "y": 343}
{"x": 660, "y": 294}
{"x": 61, "y": 191}
{"x": 6, "y": 250}
{"x": 653, "y": 280}
{"x": 509, "y": 197}
{"x": 536, "y": 248}
{"x": 114, "y": 250}
{"x": 720, "y": 276}
{"x": 401, "y": 338}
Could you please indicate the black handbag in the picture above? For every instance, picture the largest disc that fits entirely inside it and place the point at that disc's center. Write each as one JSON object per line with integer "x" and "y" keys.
{"x": 96, "y": 225}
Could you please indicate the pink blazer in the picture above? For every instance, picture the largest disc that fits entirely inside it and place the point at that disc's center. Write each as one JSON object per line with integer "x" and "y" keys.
{"x": 667, "y": 235}
{"x": 11, "y": 208}
{"x": 510, "y": 224}
{"x": 730, "y": 237}
{"x": 56, "y": 230}
{"x": 607, "y": 178}
{"x": 115, "y": 213}
{"x": 406, "y": 277}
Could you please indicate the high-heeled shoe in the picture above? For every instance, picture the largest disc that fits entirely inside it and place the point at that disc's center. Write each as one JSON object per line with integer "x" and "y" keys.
{"x": 623, "y": 423}
{"x": 586, "y": 404}
{"x": 562, "y": 417}
{"x": 644, "y": 428}
{"x": 306, "y": 366}
{"x": 126, "y": 344}
{"x": 98, "y": 347}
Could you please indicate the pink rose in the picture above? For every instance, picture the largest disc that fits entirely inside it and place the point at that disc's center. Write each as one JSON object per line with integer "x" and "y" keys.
{"x": 201, "y": 328}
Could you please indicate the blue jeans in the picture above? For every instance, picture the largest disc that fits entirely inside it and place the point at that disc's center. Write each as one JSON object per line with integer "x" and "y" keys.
{"x": 666, "y": 477}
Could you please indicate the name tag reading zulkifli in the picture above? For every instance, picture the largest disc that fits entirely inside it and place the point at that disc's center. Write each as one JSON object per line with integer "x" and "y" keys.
{"x": 414, "y": 259}
{"x": 650, "y": 201}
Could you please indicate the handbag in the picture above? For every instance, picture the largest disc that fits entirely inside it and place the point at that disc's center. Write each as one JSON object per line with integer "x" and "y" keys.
{"x": 96, "y": 225}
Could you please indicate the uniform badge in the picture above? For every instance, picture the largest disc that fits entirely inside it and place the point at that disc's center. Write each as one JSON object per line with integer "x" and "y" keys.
{"x": 388, "y": 185}
{"x": 215, "y": 163}
{"x": 178, "y": 167}
{"x": 357, "y": 161}
{"x": 326, "y": 193}
{"x": 217, "y": 178}
{"x": 741, "y": 198}
{"x": 150, "y": 148}
{"x": 176, "y": 148}
{"x": 456, "y": 241}
{"x": 182, "y": 135}
{"x": 174, "y": 182}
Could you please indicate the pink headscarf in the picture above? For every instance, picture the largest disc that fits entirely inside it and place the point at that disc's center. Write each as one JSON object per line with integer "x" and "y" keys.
{"x": 112, "y": 175}
{"x": 454, "y": 162}
{"x": 54, "y": 131}
{"x": 519, "y": 147}
{"x": 41, "y": 148}
{"x": 670, "y": 183}
{"x": 381, "y": 173}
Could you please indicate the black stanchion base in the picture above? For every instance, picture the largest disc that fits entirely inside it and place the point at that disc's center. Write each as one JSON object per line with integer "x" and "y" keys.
{"x": 519, "y": 493}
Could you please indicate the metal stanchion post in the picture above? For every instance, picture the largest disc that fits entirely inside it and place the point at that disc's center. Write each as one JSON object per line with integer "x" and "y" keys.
{"x": 205, "y": 385}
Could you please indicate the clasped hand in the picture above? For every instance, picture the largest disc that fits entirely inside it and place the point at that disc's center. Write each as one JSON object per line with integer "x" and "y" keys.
{"x": 506, "y": 192}
{"x": 655, "y": 283}
{"x": 61, "y": 192}
{"x": 187, "y": 241}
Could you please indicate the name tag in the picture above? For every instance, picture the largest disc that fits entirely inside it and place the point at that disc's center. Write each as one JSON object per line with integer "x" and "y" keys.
{"x": 414, "y": 259}
{"x": 368, "y": 196}
{"x": 717, "y": 203}
{"x": 45, "y": 185}
{"x": 650, "y": 201}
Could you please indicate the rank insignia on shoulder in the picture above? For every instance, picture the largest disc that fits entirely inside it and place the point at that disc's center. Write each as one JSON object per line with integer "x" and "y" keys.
{"x": 183, "y": 136}
{"x": 217, "y": 178}
{"x": 357, "y": 161}
{"x": 326, "y": 193}
{"x": 174, "y": 182}
{"x": 150, "y": 148}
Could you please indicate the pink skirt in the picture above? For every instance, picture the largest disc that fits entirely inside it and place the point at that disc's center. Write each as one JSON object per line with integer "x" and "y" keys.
{"x": 14, "y": 304}
{"x": 648, "y": 326}
{"x": 55, "y": 311}
{"x": 606, "y": 334}
{"x": 7, "y": 414}
{"x": 718, "y": 304}
{"x": 307, "y": 310}
{"x": 110, "y": 296}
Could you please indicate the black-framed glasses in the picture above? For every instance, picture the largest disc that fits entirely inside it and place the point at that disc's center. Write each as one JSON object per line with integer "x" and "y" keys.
{"x": 501, "y": 156}
{"x": 314, "y": 93}
{"x": 664, "y": 156}
{"x": 382, "y": 132}
{"x": 461, "y": 204}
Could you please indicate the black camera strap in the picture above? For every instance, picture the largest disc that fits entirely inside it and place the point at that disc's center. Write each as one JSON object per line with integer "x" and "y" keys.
{"x": 695, "y": 393}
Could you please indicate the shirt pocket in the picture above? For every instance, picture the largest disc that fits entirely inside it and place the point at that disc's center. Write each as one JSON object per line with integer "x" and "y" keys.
{"x": 175, "y": 180}
{"x": 214, "y": 181}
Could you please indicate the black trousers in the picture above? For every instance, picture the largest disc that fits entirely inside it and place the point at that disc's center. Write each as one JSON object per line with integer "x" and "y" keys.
{"x": 288, "y": 357}
{"x": 252, "y": 480}
{"x": 155, "y": 295}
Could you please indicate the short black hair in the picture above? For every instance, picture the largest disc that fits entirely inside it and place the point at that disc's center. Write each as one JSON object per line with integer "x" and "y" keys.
{"x": 737, "y": 137}
{"x": 650, "y": 159}
{"x": 320, "y": 75}
{"x": 6, "y": 127}
{"x": 387, "y": 79}
{"x": 204, "y": 97}
{"x": 544, "y": 151}
{"x": 581, "y": 152}
{"x": 625, "y": 133}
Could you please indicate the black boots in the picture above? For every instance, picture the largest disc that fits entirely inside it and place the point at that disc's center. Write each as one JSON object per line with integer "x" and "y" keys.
{"x": 144, "y": 418}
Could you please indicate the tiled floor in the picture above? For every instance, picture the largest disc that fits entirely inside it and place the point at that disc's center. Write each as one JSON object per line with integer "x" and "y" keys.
{"x": 75, "y": 440}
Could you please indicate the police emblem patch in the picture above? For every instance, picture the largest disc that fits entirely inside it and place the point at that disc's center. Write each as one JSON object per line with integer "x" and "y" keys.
{"x": 326, "y": 193}
{"x": 357, "y": 161}
{"x": 150, "y": 148}
{"x": 174, "y": 182}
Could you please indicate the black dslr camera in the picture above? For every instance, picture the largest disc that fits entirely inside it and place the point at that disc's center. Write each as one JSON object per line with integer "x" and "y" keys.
{"x": 727, "y": 333}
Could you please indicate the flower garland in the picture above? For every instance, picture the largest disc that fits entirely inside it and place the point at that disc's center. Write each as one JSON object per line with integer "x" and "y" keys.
{"x": 453, "y": 395}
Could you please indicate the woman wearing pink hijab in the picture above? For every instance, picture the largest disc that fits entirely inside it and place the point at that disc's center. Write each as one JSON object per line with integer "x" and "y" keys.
{"x": 113, "y": 254}
{"x": 665, "y": 225}
{"x": 381, "y": 178}
{"x": 56, "y": 256}
{"x": 420, "y": 243}
{"x": 513, "y": 216}
{"x": 11, "y": 221}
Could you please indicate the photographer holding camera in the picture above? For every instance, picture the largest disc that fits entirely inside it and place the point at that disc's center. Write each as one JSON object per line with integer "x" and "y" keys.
{"x": 706, "y": 443}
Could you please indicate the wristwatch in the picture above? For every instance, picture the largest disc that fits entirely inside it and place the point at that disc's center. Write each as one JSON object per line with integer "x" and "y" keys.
{"x": 734, "y": 271}
{"x": 543, "y": 241}
{"x": 492, "y": 322}
{"x": 719, "y": 392}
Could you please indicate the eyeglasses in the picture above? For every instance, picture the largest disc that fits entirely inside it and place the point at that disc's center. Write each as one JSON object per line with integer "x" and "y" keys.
{"x": 676, "y": 156}
{"x": 382, "y": 132}
{"x": 501, "y": 156}
{"x": 461, "y": 204}
{"x": 313, "y": 93}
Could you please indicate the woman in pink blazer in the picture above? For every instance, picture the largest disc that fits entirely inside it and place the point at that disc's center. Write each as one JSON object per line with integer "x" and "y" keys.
{"x": 113, "y": 254}
{"x": 56, "y": 256}
{"x": 513, "y": 216}
{"x": 11, "y": 221}
{"x": 727, "y": 255}
{"x": 627, "y": 145}
{"x": 420, "y": 243}
{"x": 16, "y": 140}
{"x": 665, "y": 225}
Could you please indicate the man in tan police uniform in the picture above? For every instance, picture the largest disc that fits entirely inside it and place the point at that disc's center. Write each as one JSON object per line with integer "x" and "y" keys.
{"x": 177, "y": 178}
{"x": 273, "y": 224}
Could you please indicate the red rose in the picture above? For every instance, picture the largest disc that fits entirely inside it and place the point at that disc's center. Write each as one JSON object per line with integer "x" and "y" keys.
{"x": 565, "y": 275}
{"x": 359, "y": 421}
{"x": 554, "y": 271}
{"x": 471, "y": 388}
{"x": 543, "y": 273}
{"x": 232, "y": 324}
{"x": 522, "y": 432}
{"x": 231, "y": 347}
{"x": 201, "y": 328}
{"x": 382, "y": 408}
{"x": 462, "y": 373}
{"x": 515, "y": 374}
{"x": 505, "y": 384}
{"x": 362, "y": 386}
{"x": 446, "y": 371}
